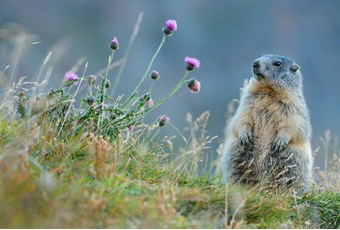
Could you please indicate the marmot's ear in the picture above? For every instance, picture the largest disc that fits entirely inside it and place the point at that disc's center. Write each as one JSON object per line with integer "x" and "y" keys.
{"x": 294, "y": 68}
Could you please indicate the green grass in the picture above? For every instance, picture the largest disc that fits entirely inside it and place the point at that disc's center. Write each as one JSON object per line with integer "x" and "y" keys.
{"x": 89, "y": 181}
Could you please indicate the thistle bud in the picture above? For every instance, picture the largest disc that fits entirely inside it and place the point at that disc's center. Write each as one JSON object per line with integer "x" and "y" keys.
{"x": 114, "y": 44}
{"x": 163, "y": 119}
{"x": 154, "y": 75}
{"x": 91, "y": 80}
{"x": 90, "y": 100}
{"x": 194, "y": 85}
{"x": 107, "y": 83}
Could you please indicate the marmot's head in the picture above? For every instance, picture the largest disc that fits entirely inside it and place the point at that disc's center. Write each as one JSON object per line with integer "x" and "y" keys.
{"x": 278, "y": 71}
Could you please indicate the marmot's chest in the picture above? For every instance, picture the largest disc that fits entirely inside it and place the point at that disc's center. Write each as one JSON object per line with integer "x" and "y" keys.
{"x": 269, "y": 112}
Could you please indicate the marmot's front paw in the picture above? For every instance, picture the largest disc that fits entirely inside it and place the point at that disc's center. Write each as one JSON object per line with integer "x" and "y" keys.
{"x": 246, "y": 137}
{"x": 280, "y": 143}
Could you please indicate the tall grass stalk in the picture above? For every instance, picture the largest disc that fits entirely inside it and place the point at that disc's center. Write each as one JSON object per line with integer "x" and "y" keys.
{"x": 127, "y": 52}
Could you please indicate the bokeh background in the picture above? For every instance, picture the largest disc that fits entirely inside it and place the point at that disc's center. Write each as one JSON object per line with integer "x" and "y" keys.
{"x": 226, "y": 35}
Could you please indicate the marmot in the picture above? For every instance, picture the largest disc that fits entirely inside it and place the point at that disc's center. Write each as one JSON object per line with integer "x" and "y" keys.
{"x": 268, "y": 138}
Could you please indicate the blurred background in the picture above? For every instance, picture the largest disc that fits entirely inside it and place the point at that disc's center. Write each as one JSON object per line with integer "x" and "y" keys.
{"x": 225, "y": 35}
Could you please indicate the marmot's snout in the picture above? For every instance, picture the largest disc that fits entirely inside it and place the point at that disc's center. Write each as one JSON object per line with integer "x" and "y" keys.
{"x": 257, "y": 68}
{"x": 256, "y": 64}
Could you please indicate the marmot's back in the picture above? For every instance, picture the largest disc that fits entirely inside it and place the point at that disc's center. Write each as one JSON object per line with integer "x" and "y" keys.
{"x": 269, "y": 136}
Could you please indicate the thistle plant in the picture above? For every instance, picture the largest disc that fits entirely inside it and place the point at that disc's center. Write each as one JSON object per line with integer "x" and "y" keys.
{"x": 98, "y": 112}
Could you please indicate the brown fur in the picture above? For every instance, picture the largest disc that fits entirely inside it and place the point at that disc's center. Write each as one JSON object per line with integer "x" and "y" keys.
{"x": 268, "y": 140}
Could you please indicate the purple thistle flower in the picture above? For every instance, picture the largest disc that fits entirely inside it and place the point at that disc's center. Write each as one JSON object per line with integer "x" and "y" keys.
{"x": 171, "y": 25}
{"x": 114, "y": 43}
{"x": 163, "y": 119}
{"x": 192, "y": 63}
{"x": 194, "y": 85}
{"x": 71, "y": 76}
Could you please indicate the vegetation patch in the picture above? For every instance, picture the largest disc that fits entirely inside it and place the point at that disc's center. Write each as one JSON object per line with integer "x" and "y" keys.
{"x": 78, "y": 157}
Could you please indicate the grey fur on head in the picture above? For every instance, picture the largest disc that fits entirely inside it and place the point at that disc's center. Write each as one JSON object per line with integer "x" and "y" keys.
{"x": 279, "y": 71}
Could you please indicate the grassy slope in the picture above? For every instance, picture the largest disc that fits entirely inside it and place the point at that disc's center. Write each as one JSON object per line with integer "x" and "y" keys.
{"x": 74, "y": 178}
{"x": 88, "y": 181}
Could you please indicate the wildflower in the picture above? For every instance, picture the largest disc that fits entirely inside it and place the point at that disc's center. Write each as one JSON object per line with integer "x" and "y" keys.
{"x": 147, "y": 100}
{"x": 192, "y": 63}
{"x": 91, "y": 80}
{"x": 154, "y": 75}
{"x": 71, "y": 77}
{"x": 194, "y": 85}
{"x": 171, "y": 25}
{"x": 90, "y": 100}
{"x": 107, "y": 83}
{"x": 163, "y": 119}
{"x": 114, "y": 44}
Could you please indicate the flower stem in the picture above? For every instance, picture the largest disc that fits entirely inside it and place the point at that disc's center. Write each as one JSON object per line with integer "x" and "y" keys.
{"x": 171, "y": 93}
{"x": 151, "y": 87}
{"x": 147, "y": 70}
{"x": 103, "y": 88}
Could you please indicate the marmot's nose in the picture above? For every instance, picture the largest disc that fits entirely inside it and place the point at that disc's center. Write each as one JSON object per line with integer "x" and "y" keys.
{"x": 256, "y": 64}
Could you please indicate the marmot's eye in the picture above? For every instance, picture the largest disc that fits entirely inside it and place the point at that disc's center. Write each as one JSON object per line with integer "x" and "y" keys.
{"x": 277, "y": 63}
